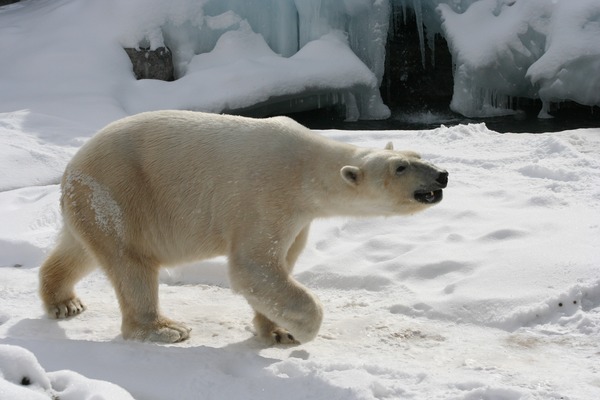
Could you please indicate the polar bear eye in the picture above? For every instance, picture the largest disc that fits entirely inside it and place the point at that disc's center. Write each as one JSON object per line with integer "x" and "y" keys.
{"x": 400, "y": 169}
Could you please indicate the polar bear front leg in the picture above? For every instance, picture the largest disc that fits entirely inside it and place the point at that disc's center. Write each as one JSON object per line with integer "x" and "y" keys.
{"x": 283, "y": 306}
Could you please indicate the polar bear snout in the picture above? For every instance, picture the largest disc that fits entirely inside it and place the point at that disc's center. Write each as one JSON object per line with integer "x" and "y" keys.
{"x": 433, "y": 193}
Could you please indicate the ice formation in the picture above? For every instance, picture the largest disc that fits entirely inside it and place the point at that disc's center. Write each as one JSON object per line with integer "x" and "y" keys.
{"x": 504, "y": 49}
{"x": 266, "y": 42}
{"x": 273, "y": 56}
{"x": 570, "y": 66}
{"x": 283, "y": 55}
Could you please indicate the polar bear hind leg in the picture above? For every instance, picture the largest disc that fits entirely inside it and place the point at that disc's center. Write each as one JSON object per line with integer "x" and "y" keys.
{"x": 66, "y": 265}
{"x": 135, "y": 279}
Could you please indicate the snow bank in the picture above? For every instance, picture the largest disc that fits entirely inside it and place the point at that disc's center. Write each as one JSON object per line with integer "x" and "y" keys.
{"x": 227, "y": 55}
{"x": 23, "y": 378}
{"x": 243, "y": 72}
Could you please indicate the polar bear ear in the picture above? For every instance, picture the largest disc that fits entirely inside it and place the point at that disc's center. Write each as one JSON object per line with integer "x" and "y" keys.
{"x": 389, "y": 146}
{"x": 352, "y": 175}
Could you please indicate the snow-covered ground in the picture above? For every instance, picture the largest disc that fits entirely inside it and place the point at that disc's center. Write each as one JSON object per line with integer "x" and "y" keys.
{"x": 492, "y": 294}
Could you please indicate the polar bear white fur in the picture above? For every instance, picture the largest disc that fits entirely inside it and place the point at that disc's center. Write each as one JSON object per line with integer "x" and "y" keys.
{"x": 167, "y": 187}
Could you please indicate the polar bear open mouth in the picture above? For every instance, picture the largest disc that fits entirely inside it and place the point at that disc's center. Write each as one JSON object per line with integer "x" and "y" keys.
{"x": 429, "y": 197}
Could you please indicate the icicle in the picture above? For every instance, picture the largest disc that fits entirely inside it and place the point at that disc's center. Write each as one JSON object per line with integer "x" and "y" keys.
{"x": 431, "y": 45}
{"x": 544, "y": 114}
{"x": 352, "y": 112}
{"x": 419, "y": 17}
{"x": 403, "y": 4}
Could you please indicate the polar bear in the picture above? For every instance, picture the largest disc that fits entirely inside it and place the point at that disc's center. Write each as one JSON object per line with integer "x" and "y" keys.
{"x": 167, "y": 187}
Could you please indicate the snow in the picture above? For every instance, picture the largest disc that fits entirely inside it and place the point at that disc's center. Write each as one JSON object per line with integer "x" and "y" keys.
{"x": 492, "y": 294}
{"x": 24, "y": 378}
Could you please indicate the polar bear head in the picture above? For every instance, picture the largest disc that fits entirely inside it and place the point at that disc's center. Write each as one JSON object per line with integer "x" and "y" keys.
{"x": 388, "y": 182}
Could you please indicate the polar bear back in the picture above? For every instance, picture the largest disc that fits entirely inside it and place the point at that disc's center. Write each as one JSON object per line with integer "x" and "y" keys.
{"x": 183, "y": 180}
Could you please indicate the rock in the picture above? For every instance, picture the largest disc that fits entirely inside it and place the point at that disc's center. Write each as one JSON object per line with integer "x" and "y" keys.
{"x": 152, "y": 64}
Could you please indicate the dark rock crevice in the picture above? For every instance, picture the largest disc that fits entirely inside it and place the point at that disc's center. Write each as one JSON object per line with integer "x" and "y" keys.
{"x": 152, "y": 64}
{"x": 411, "y": 81}
{"x": 7, "y": 2}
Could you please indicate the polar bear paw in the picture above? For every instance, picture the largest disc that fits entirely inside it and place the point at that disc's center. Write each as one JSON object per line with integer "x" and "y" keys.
{"x": 65, "y": 309}
{"x": 272, "y": 334}
{"x": 162, "y": 331}
{"x": 282, "y": 336}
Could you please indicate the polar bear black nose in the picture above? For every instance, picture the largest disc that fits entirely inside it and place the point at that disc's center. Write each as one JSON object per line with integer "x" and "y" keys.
{"x": 442, "y": 179}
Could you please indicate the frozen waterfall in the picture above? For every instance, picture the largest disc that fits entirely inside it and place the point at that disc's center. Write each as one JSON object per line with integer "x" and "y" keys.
{"x": 281, "y": 56}
{"x": 501, "y": 49}
{"x": 535, "y": 49}
{"x": 285, "y": 54}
